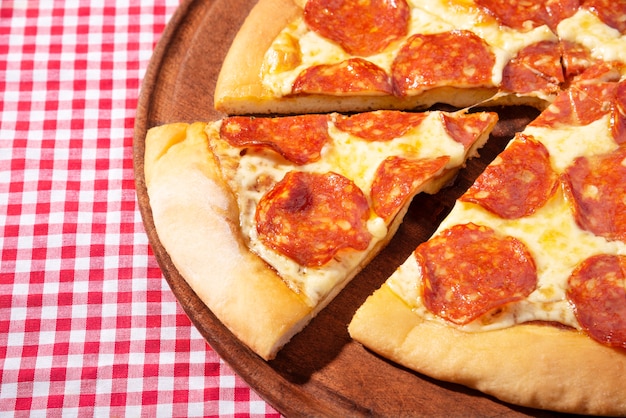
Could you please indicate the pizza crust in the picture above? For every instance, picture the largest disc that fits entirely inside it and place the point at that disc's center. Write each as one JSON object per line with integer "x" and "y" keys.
{"x": 192, "y": 211}
{"x": 536, "y": 366}
{"x": 197, "y": 221}
{"x": 239, "y": 89}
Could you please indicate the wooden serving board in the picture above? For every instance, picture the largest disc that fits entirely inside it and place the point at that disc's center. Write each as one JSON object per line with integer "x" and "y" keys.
{"x": 321, "y": 372}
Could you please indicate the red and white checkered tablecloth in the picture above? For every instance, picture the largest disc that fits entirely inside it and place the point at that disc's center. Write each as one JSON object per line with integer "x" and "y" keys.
{"x": 88, "y": 325}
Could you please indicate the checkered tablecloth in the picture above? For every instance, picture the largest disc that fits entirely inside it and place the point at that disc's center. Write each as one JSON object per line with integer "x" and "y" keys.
{"x": 88, "y": 325}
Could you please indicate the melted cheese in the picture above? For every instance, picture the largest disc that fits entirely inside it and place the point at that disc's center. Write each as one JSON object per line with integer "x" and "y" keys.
{"x": 587, "y": 29}
{"x": 551, "y": 234}
{"x": 426, "y": 18}
{"x": 505, "y": 42}
{"x": 254, "y": 173}
{"x": 314, "y": 50}
{"x": 567, "y": 143}
{"x": 358, "y": 159}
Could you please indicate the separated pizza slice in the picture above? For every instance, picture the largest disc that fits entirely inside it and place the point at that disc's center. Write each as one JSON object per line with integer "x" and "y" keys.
{"x": 320, "y": 55}
{"x": 521, "y": 292}
{"x": 269, "y": 218}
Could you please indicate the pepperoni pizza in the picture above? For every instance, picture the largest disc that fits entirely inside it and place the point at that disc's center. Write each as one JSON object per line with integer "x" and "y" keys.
{"x": 521, "y": 292}
{"x": 323, "y": 55}
{"x": 295, "y": 220}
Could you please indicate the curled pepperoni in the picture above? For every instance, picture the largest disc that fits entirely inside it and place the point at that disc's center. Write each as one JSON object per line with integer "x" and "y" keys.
{"x": 597, "y": 189}
{"x": 517, "y": 183}
{"x": 350, "y": 76}
{"x": 467, "y": 128}
{"x": 468, "y": 271}
{"x": 299, "y": 139}
{"x": 359, "y": 27}
{"x": 611, "y": 12}
{"x": 310, "y": 217}
{"x": 597, "y": 289}
{"x": 536, "y": 67}
{"x": 529, "y": 14}
{"x": 458, "y": 58}
{"x": 380, "y": 125}
{"x": 398, "y": 179}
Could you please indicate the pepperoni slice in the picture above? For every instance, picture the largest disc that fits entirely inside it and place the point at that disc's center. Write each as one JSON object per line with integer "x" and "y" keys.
{"x": 398, "y": 179}
{"x": 611, "y": 12}
{"x": 517, "y": 183}
{"x": 581, "y": 104}
{"x": 350, "y": 76}
{"x": 516, "y": 14}
{"x": 466, "y": 128}
{"x": 310, "y": 217}
{"x": 536, "y": 67}
{"x": 529, "y": 14}
{"x": 299, "y": 139}
{"x": 597, "y": 289}
{"x": 576, "y": 58}
{"x": 618, "y": 116}
{"x": 557, "y": 10}
{"x": 360, "y": 27}
{"x": 380, "y": 125}
{"x": 602, "y": 71}
{"x": 468, "y": 271}
{"x": 592, "y": 101}
{"x": 597, "y": 188}
{"x": 459, "y": 58}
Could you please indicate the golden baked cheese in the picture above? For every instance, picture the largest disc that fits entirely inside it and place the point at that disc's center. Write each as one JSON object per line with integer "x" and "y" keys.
{"x": 298, "y": 47}
{"x": 251, "y": 174}
{"x": 585, "y": 28}
{"x": 557, "y": 243}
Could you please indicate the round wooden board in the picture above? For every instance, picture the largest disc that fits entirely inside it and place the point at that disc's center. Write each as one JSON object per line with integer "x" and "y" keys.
{"x": 321, "y": 372}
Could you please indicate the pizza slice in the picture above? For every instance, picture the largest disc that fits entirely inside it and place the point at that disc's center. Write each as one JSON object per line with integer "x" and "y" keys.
{"x": 269, "y": 218}
{"x": 521, "y": 292}
{"x": 322, "y": 55}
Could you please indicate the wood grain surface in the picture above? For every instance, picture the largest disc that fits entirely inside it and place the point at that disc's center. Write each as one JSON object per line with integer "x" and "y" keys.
{"x": 321, "y": 372}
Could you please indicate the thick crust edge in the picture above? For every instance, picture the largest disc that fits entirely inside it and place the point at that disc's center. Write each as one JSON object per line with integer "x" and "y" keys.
{"x": 529, "y": 365}
{"x": 196, "y": 219}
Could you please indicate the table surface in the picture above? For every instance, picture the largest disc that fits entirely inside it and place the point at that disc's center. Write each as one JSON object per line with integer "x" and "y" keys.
{"x": 88, "y": 325}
